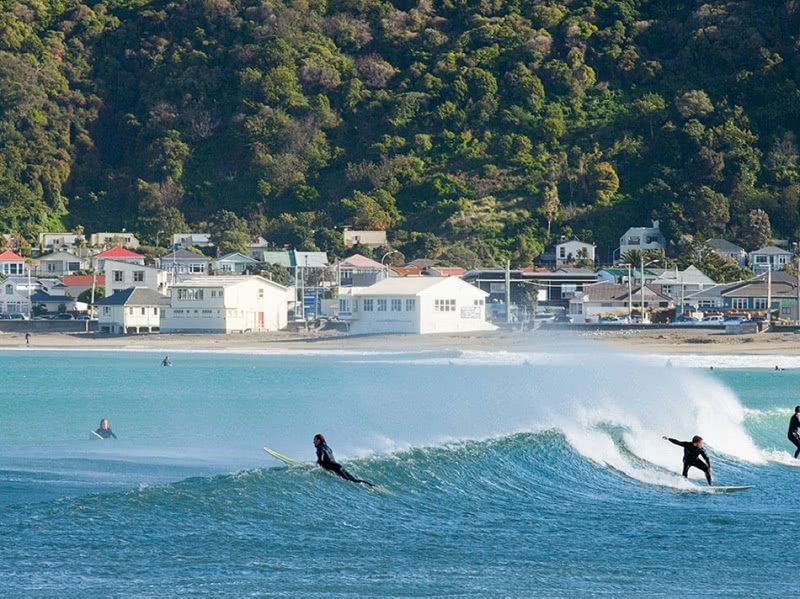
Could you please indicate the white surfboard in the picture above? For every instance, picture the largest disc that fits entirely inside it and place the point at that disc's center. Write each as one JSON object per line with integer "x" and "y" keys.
{"x": 93, "y": 436}
{"x": 719, "y": 489}
{"x": 283, "y": 458}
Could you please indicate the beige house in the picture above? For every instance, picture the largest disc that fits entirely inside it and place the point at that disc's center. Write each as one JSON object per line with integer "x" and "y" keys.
{"x": 59, "y": 264}
{"x": 124, "y": 275}
{"x": 105, "y": 239}
{"x": 226, "y": 304}
{"x": 134, "y": 310}
{"x": 52, "y": 242}
{"x": 372, "y": 239}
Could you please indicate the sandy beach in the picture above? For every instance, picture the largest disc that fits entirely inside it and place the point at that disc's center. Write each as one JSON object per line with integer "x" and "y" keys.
{"x": 657, "y": 341}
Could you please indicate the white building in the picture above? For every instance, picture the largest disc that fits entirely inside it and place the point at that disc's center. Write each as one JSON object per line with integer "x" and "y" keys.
{"x": 124, "y": 275}
{"x": 123, "y": 239}
{"x": 680, "y": 283}
{"x": 769, "y": 257}
{"x": 226, "y": 304}
{"x": 417, "y": 305}
{"x": 14, "y": 296}
{"x": 59, "y": 264}
{"x": 726, "y": 249}
{"x": 574, "y": 251}
{"x": 371, "y": 239}
{"x": 612, "y": 299}
{"x": 11, "y": 264}
{"x": 135, "y": 310}
{"x": 52, "y": 242}
{"x": 200, "y": 240}
{"x": 184, "y": 262}
{"x": 117, "y": 254}
{"x": 642, "y": 238}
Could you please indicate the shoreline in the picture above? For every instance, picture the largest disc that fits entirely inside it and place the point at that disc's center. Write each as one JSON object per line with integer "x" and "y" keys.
{"x": 642, "y": 341}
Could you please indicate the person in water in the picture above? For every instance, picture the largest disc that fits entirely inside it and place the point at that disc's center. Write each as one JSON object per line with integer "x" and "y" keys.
{"x": 794, "y": 430}
{"x": 326, "y": 460}
{"x": 104, "y": 431}
{"x": 692, "y": 450}
{"x": 166, "y": 361}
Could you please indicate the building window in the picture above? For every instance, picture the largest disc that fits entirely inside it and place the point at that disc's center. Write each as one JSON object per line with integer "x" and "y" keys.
{"x": 344, "y": 305}
{"x": 397, "y": 305}
{"x": 444, "y": 305}
{"x": 73, "y": 265}
{"x": 190, "y": 294}
{"x": 381, "y": 305}
{"x": 9, "y": 289}
{"x": 144, "y": 311}
{"x": 106, "y": 310}
{"x": 155, "y": 311}
{"x": 739, "y": 303}
{"x": 411, "y": 305}
{"x": 130, "y": 311}
{"x": 51, "y": 267}
{"x": 760, "y": 303}
{"x": 478, "y": 302}
{"x": 196, "y": 268}
{"x": 138, "y": 276}
{"x": 260, "y": 294}
{"x": 633, "y": 240}
{"x": 118, "y": 276}
{"x": 367, "y": 305}
{"x": 568, "y": 290}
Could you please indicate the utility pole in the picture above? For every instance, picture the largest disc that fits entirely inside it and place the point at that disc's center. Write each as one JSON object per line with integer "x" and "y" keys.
{"x": 641, "y": 288}
{"x": 769, "y": 293}
{"x": 798, "y": 289}
{"x": 508, "y": 291}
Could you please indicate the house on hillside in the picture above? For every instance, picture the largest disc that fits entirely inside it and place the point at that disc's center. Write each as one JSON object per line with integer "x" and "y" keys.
{"x": 122, "y": 239}
{"x": 226, "y": 304}
{"x": 620, "y": 275}
{"x": 54, "y": 242}
{"x": 417, "y": 305}
{"x": 606, "y": 299}
{"x": 134, "y": 310}
{"x": 359, "y": 271}
{"x": 769, "y": 258}
{"x": 730, "y": 250}
{"x": 117, "y": 254}
{"x": 371, "y": 239}
{"x": 681, "y": 283}
{"x": 569, "y": 252}
{"x": 198, "y": 240}
{"x": 11, "y": 264}
{"x": 125, "y": 275}
{"x": 709, "y": 298}
{"x": 642, "y": 239}
{"x": 59, "y": 264}
{"x": 184, "y": 263}
{"x": 234, "y": 263}
{"x": 57, "y": 304}
{"x": 777, "y": 290}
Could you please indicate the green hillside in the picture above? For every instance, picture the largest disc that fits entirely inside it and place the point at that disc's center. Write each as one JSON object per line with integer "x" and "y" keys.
{"x": 474, "y": 130}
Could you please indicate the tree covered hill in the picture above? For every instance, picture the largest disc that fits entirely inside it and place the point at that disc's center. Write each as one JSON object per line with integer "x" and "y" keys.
{"x": 478, "y": 130}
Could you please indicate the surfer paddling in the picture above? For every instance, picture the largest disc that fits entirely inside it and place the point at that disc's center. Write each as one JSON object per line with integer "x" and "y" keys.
{"x": 794, "y": 430}
{"x": 692, "y": 451}
{"x": 326, "y": 460}
{"x": 104, "y": 431}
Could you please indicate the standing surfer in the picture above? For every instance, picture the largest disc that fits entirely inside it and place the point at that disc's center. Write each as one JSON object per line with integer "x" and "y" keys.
{"x": 794, "y": 430}
{"x": 166, "y": 361}
{"x": 104, "y": 431}
{"x": 692, "y": 450}
{"x": 326, "y": 460}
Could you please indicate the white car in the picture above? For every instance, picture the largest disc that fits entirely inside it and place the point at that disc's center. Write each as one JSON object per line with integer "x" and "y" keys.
{"x": 715, "y": 320}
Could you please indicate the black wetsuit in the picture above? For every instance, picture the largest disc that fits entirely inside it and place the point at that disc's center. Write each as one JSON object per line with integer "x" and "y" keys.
{"x": 691, "y": 457}
{"x": 326, "y": 460}
{"x": 105, "y": 433}
{"x": 794, "y": 433}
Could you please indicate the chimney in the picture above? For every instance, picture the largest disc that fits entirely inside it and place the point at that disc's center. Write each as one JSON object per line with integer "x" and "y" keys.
{"x": 655, "y": 224}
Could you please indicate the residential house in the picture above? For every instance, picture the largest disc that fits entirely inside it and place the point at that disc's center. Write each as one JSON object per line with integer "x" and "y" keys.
{"x": 234, "y": 263}
{"x": 569, "y": 252}
{"x": 183, "y": 263}
{"x": 371, "y": 239}
{"x": 730, "y": 250}
{"x": 57, "y": 304}
{"x": 416, "y": 305}
{"x": 620, "y": 275}
{"x": 59, "y": 264}
{"x": 54, "y": 242}
{"x": 445, "y": 271}
{"x": 122, "y": 239}
{"x": 709, "y": 298}
{"x": 198, "y": 240}
{"x": 257, "y": 245}
{"x": 117, "y": 254}
{"x": 275, "y": 257}
{"x": 309, "y": 259}
{"x": 642, "y": 239}
{"x": 11, "y": 264}
{"x": 776, "y": 290}
{"x": 680, "y": 283}
{"x": 421, "y": 263}
{"x": 769, "y": 258}
{"x": 612, "y": 299}
{"x": 133, "y": 310}
{"x": 77, "y": 284}
{"x": 14, "y": 295}
{"x": 359, "y": 271}
{"x": 226, "y": 304}
{"x": 406, "y": 271}
{"x": 124, "y": 275}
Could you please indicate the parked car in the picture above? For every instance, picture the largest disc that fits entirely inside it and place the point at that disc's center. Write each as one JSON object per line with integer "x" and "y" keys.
{"x": 734, "y": 319}
{"x": 18, "y": 316}
{"x": 715, "y": 320}
{"x": 5, "y": 317}
{"x": 544, "y": 316}
{"x": 85, "y": 317}
{"x": 64, "y": 317}
{"x": 612, "y": 320}
{"x": 684, "y": 320}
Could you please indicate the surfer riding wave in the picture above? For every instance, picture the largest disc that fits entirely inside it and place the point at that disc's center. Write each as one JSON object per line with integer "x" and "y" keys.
{"x": 326, "y": 460}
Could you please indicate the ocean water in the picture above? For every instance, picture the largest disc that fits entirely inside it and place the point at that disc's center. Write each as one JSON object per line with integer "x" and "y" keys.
{"x": 506, "y": 475}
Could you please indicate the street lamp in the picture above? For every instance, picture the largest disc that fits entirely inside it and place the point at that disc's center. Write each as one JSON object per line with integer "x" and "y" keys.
{"x": 386, "y": 255}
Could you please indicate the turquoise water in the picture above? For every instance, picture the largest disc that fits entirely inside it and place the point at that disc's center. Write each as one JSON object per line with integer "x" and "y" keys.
{"x": 505, "y": 478}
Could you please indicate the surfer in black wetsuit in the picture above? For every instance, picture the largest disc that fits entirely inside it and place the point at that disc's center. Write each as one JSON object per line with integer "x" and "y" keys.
{"x": 326, "y": 460}
{"x": 104, "y": 431}
{"x": 794, "y": 430}
{"x": 692, "y": 451}
{"x": 166, "y": 362}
